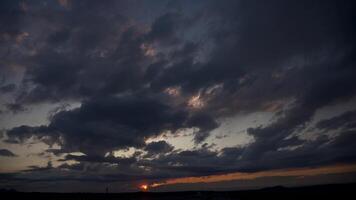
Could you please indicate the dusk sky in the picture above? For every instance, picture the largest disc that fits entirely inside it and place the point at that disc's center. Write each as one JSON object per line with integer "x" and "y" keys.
{"x": 176, "y": 94}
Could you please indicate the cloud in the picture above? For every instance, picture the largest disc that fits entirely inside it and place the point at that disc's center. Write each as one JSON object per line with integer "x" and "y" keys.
{"x": 346, "y": 121}
{"x": 7, "y": 153}
{"x": 35, "y": 168}
{"x": 158, "y": 147}
{"x": 139, "y": 75}
{"x": 108, "y": 123}
{"x": 100, "y": 159}
{"x": 15, "y": 107}
{"x": 7, "y": 88}
{"x": 297, "y": 172}
{"x": 164, "y": 28}
{"x": 10, "y": 19}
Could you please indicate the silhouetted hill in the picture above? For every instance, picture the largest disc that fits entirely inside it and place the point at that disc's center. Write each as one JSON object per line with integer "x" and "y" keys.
{"x": 7, "y": 191}
{"x": 335, "y": 191}
{"x": 274, "y": 188}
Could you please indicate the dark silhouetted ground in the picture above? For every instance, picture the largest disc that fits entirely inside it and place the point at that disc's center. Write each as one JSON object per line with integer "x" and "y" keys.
{"x": 337, "y": 191}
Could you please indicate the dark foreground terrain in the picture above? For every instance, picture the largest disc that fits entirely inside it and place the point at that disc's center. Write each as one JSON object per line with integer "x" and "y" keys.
{"x": 337, "y": 191}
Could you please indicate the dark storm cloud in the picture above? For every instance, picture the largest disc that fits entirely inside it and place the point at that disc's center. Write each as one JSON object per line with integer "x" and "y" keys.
{"x": 345, "y": 121}
{"x": 7, "y": 153}
{"x": 73, "y": 72}
{"x": 188, "y": 162}
{"x": 35, "y": 168}
{"x": 75, "y": 167}
{"x": 158, "y": 147}
{"x": 206, "y": 124}
{"x": 277, "y": 35}
{"x": 324, "y": 91}
{"x": 7, "y": 88}
{"x": 284, "y": 29}
{"x": 22, "y": 133}
{"x": 238, "y": 57}
{"x": 10, "y": 20}
{"x": 164, "y": 28}
{"x": 322, "y": 151}
{"x": 110, "y": 123}
{"x": 91, "y": 53}
{"x": 15, "y": 107}
{"x": 10, "y": 177}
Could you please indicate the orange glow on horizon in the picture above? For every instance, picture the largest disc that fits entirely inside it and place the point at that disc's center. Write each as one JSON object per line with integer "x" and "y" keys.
{"x": 297, "y": 172}
{"x": 144, "y": 187}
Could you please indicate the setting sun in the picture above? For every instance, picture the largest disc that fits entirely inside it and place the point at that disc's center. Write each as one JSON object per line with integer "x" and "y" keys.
{"x": 144, "y": 187}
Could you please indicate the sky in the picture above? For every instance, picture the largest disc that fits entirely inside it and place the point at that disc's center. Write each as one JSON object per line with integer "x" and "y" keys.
{"x": 176, "y": 95}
